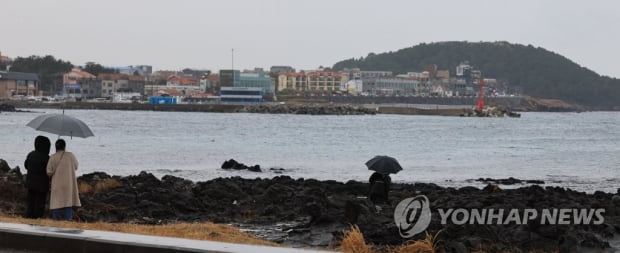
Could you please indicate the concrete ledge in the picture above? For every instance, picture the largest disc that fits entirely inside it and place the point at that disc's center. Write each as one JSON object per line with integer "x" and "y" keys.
{"x": 52, "y": 239}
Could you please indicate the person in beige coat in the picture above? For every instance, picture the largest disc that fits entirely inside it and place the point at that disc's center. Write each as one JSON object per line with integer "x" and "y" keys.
{"x": 64, "y": 194}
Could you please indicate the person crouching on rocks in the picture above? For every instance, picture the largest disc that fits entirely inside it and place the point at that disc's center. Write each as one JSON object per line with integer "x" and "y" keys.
{"x": 61, "y": 170}
{"x": 37, "y": 182}
{"x": 379, "y": 187}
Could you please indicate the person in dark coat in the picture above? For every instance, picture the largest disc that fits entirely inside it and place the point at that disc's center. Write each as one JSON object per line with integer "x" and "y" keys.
{"x": 37, "y": 181}
{"x": 379, "y": 187}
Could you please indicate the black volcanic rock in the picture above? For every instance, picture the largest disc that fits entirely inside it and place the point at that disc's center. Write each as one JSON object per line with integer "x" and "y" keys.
{"x": 318, "y": 211}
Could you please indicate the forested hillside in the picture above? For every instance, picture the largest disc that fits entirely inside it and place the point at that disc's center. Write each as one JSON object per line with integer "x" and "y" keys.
{"x": 537, "y": 71}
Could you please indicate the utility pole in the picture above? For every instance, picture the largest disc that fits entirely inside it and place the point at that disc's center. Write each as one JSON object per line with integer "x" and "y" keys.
{"x": 232, "y": 66}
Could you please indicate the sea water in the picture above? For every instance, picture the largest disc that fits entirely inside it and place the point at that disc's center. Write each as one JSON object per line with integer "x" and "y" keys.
{"x": 576, "y": 150}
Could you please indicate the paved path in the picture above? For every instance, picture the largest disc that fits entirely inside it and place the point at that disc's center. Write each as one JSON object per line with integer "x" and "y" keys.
{"x": 35, "y": 239}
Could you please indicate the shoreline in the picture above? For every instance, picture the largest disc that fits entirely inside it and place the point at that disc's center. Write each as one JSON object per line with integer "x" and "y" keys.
{"x": 313, "y": 213}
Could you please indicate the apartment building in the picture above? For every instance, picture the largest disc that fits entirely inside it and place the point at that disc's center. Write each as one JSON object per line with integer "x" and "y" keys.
{"x": 313, "y": 81}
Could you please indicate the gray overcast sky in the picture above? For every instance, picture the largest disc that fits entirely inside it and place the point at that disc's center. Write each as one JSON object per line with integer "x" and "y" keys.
{"x": 304, "y": 34}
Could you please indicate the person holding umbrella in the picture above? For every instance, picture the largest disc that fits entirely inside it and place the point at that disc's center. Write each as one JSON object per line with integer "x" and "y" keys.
{"x": 64, "y": 195}
{"x": 380, "y": 181}
{"x": 379, "y": 187}
{"x": 37, "y": 182}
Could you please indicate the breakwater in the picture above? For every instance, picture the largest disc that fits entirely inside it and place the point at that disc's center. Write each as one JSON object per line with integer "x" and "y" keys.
{"x": 509, "y": 102}
{"x": 310, "y": 109}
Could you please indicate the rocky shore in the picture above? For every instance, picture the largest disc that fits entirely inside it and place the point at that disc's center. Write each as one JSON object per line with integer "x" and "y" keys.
{"x": 9, "y": 108}
{"x": 308, "y": 212}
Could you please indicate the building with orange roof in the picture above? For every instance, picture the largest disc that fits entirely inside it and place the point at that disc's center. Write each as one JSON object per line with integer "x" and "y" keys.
{"x": 182, "y": 81}
{"x": 5, "y": 59}
{"x": 183, "y": 86}
{"x": 74, "y": 77}
{"x": 79, "y": 83}
{"x": 121, "y": 83}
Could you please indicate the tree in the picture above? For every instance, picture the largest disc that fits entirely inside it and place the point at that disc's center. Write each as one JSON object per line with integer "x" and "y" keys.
{"x": 2, "y": 64}
{"x": 96, "y": 69}
{"x": 49, "y": 69}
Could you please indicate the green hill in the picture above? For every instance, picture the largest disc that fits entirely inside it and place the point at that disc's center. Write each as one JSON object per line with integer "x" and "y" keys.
{"x": 537, "y": 71}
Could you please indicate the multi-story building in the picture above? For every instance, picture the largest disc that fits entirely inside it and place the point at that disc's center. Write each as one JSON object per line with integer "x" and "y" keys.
{"x": 115, "y": 83}
{"x": 374, "y": 74}
{"x": 423, "y": 76}
{"x": 5, "y": 59}
{"x": 354, "y": 73}
{"x": 241, "y": 95}
{"x": 146, "y": 69}
{"x": 354, "y": 87}
{"x": 186, "y": 86}
{"x": 326, "y": 80}
{"x": 443, "y": 74}
{"x": 258, "y": 71}
{"x": 292, "y": 81}
{"x": 210, "y": 83}
{"x": 248, "y": 80}
{"x": 194, "y": 73}
{"x": 229, "y": 78}
{"x": 234, "y": 78}
{"x": 181, "y": 81}
{"x": 18, "y": 83}
{"x": 78, "y": 83}
{"x": 281, "y": 69}
{"x": 75, "y": 76}
{"x": 312, "y": 81}
{"x": 465, "y": 79}
{"x": 133, "y": 70}
{"x": 391, "y": 86}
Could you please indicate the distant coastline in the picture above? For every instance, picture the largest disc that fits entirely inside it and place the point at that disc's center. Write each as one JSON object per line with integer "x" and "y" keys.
{"x": 331, "y": 106}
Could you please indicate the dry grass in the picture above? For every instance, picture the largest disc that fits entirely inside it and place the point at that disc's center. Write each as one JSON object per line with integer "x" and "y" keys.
{"x": 104, "y": 185}
{"x": 353, "y": 242}
{"x": 85, "y": 188}
{"x": 198, "y": 231}
{"x": 427, "y": 245}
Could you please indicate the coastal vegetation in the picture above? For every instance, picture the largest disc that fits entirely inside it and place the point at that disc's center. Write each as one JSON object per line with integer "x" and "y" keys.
{"x": 353, "y": 242}
{"x": 533, "y": 70}
{"x": 198, "y": 231}
{"x": 96, "y": 69}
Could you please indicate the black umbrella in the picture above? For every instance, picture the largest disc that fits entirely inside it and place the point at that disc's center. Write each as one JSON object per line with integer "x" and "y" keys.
{"x": 384, "y": 164}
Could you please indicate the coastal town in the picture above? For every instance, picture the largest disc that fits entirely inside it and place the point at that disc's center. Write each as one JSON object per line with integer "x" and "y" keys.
{"x": 140, "y": 83}
{"x": 309, "y": 126}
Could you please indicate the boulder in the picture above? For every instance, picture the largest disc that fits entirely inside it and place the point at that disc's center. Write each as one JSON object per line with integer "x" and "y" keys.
{"x": 4, "y": 166}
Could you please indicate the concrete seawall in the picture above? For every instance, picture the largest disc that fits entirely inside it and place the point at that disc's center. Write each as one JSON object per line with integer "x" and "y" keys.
{"x": 417, "y": 111}
{"x": 62, "y": 240}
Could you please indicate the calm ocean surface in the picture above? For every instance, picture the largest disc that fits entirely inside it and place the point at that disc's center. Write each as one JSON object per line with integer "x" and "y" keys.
{"x": 576, "y": 150}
